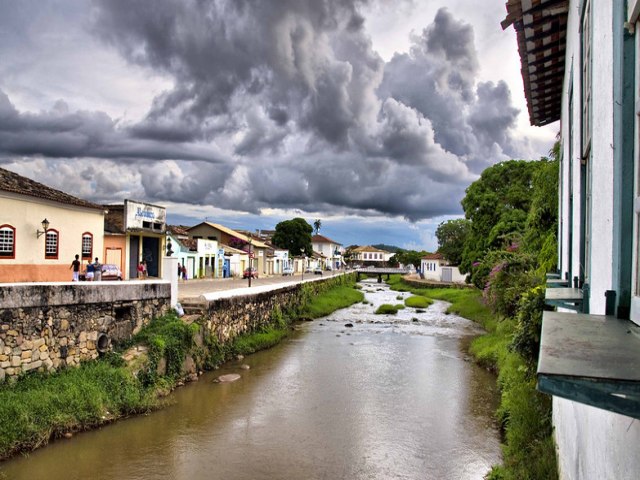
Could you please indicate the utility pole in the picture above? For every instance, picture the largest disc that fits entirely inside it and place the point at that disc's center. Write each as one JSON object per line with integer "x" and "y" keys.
{"x": 250, "y": 260}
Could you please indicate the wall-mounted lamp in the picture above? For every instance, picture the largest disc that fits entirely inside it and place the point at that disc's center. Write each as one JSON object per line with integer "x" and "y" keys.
{"x": 45, "y": 227}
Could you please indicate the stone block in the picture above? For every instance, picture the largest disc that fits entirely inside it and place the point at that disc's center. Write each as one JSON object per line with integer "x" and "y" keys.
{"x": 12, "y": 333}
{"x": 10, "y": 371}
{"x": 82, "y": 337}
{"x": 43, "y": 348}
{"x": 32, "y": 366}
{"x": 5, "y": 364}
{"x": 4, "y": 357}
{"x": 35, "y": 355}
{"x": 40, "y": 342}
{"x": 2, "y": 375}
{"x": 64, "y": 325}
{"x": 16, "y": 361}
{"x": 26, "y": 354}
{"x": 44, "y": 355}
{"x": 93, "y": 336}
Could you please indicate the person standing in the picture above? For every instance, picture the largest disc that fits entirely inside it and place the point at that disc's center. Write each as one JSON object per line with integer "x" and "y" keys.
{"x": 97, "y": 270}
{"x": 89, "y": 273}
{"x": 76, "y": 269}
{"x": 140, "y": 271}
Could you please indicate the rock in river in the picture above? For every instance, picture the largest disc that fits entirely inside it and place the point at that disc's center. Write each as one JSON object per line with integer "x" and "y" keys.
{"x": 230, "y": 377}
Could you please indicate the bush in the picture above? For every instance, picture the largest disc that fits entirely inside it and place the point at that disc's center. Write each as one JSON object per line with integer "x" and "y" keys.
{"x": 511, "y": 275}
{"x": 388, "y": 309}
{"x": 417, "y": 301}
{"x": 526, "y": 339}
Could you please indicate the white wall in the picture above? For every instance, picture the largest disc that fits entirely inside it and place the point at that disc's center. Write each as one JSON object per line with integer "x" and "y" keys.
{"x": 595, "y": 444}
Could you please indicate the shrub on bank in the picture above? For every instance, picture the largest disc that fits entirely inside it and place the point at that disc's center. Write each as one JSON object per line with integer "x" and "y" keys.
{"x": 417, "y": 301}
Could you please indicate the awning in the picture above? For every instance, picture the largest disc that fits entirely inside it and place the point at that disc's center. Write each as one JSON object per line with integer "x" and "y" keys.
{"x": 591, "y": 359}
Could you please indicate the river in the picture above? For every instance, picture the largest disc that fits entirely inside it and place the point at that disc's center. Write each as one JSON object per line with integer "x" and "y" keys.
{"x": 393, "y": 397}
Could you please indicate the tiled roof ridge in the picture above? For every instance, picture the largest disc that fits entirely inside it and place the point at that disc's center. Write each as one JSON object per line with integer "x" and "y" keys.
{"x": 16, "y": 183}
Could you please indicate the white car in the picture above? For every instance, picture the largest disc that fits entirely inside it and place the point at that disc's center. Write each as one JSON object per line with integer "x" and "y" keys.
{"x": 287, "y": 271}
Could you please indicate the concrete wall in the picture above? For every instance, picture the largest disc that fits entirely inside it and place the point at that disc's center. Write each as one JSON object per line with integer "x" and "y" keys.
{"x": 49, "y": 326}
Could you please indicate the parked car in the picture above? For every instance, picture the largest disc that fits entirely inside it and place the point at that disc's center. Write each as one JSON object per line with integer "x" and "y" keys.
{"x": 307, "y": 270}
{"x": 317, "y": 271}
{"x": 250, "y": 272}
{"x": 111, "y": 272}
{"x": 287, "y": 271}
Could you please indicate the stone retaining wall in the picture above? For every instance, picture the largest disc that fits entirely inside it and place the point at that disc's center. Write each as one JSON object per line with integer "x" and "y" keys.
{"x": 52, "y": 325}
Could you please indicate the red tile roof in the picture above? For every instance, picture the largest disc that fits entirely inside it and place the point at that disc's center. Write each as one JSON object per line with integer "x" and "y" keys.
{"x": 323, "y": 239}
{"x": 433, "y": 256}
{"x": 14, "y": 183}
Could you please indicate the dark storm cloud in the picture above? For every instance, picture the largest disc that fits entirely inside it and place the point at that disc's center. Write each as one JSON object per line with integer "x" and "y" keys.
{"x": 278, "y": 104}
{"x": 61, "y": 133}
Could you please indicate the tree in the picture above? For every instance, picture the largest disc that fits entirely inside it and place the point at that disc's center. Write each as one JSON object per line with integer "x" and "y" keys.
{"x": 316, "y": 225}
{"x": 407, "y": 257}
{"x": 451, "y": 238}
{"x": 294, "y": 235}
{"x": 497, "y": 205}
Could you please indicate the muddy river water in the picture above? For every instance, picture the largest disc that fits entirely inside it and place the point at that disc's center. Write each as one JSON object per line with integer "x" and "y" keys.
{"x": 393, "y": 397}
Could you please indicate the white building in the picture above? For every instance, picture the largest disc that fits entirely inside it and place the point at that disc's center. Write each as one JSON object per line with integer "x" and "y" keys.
{"x": 330, "y": 250}
{"x": 435, "y": 267}
{"x": 580, "y": 65}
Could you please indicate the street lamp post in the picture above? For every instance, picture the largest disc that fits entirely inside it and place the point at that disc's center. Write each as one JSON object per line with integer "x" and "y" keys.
{"x": 250, "y": 260}
{"x": 304, "y": 261}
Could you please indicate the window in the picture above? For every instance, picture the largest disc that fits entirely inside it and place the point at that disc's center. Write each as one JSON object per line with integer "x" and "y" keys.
{"x": 87, "y": 245}
{"x": 7, "y": 242}
{"x": 51, "y": 245}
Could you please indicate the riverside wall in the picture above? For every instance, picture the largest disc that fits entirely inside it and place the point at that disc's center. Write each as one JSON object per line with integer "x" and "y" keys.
{"x": 48, "y": 326}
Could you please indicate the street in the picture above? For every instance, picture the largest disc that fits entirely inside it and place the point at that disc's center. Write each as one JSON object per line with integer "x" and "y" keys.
{"x": 195, "y": 288}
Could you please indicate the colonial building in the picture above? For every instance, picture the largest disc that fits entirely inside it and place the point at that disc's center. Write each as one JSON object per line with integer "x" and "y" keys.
{"x": 329, "y": 249}
{"x": 42, "y": 229}
{"x": 135, "y": 232}
{"x": 257, "y": 250}
{"x": 368, "y": 255}
{"x": 580, "y": 65}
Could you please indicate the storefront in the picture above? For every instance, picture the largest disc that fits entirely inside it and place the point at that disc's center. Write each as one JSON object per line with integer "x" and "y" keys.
{"x": 145, "y": 227}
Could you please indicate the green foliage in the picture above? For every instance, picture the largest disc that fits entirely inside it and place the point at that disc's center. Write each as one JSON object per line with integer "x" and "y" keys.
{"x": 497, "y": 205}
{"x": 338, "y": 297}
{"x": 169, "y": 338}
{"x": 407, "y": 257}
{"x": 417, "y": 301}
{"x": 388, "y": 309}
{"x": 511, "y": 276}
{"x": 526, "y": 339}
{"x": 451, "y": 237}
{"x": 256, "y": 341}
{"x": 39, "y": 407}
{"x": 295, "y": 236}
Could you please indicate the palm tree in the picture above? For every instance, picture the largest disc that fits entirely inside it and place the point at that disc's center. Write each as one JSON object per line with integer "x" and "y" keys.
{"x": 316, "y": 225}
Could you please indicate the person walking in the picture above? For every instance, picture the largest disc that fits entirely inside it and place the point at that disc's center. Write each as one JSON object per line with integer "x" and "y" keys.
{"x": 75, "y": 264}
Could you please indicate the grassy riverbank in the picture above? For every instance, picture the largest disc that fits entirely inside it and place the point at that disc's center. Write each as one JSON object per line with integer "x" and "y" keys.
{"x": 40, "y": 407}
{"x": 524, "y": 413}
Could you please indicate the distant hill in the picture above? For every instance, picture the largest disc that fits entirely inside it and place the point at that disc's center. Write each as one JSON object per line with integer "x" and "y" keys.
{"x": 388, "y": 248}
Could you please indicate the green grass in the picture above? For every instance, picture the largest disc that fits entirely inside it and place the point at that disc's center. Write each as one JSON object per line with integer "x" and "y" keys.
{"x": 323, "y": 304}
{"x": 40, "y": 407}
{"x": 418, "y": 301}
{"x": 524, "y": 414}
{"x": 254, "y": 342}
{"x": 388, "y": 309}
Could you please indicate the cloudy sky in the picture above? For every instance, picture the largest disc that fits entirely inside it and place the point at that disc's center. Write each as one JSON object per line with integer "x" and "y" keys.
{"x": 373, "y": 116}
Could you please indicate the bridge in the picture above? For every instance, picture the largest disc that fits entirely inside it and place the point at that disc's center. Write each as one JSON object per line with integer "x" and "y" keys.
{"x": 380, "y": 271}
